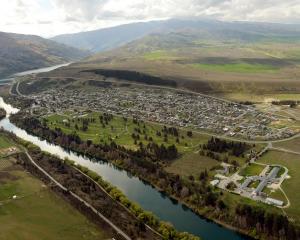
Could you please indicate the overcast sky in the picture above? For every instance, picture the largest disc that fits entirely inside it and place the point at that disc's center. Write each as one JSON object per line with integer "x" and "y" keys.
{"x": 52, "y": 17}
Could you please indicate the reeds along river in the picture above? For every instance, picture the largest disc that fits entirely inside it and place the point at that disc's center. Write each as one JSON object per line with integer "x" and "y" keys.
{"x": 135, "y": 189}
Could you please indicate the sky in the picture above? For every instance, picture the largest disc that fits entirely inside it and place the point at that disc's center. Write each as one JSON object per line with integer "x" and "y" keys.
{"x": 52, "y": 17}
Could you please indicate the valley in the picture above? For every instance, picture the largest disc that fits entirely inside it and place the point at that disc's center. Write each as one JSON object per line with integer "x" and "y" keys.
{"x": 177, "y": 129}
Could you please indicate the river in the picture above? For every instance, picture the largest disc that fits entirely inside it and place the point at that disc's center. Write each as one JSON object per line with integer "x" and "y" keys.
{"x": 135, "y": 189}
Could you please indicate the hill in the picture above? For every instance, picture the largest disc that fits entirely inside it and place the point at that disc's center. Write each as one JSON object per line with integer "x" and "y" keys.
{"x": 25, "y": 52}
{"x": 109, "y": 38}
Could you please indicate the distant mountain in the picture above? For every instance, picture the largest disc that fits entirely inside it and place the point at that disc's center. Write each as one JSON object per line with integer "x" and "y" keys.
{"x": 25, "y": 52}
{"x": 110, "y": 38}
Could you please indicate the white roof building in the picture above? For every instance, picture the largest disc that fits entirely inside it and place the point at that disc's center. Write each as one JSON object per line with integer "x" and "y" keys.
{"x": 274, "y": 201}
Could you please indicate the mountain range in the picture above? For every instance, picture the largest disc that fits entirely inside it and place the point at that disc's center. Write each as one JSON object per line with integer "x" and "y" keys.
{"x": 110, "y": 38}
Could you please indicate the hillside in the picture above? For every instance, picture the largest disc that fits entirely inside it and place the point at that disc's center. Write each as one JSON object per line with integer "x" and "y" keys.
{"x": 25, "y": 52}
{"x": 109, "y": 38}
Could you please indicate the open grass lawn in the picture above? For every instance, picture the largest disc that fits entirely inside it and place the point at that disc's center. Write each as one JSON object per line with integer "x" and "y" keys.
{"x": 5, "y": 142}
{"x": 290, "y": 186}
{"x": 37, "y": 213}
{"x": 192, "y": 164}
{"x": 252, "y": 170}
{"x": 236, "y": 67}
{"x": 292, "y": 145}
{"x": 121, "y": 132}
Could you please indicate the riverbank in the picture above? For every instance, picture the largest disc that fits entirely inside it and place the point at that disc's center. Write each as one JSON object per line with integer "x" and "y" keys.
{"x": 246, "y": 222}
{"x": 75, "y": 179}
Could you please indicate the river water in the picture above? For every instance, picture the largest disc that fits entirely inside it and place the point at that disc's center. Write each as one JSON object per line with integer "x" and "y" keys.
{"x": 135, "y": 189}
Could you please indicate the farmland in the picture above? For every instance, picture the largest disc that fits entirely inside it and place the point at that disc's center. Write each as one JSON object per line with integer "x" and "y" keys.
{"x": 236, "y": 67}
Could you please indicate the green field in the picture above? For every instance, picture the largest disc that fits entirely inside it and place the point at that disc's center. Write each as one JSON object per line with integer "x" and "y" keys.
{"x": 5, "y": 143}
{"x": 192, "y": 164}
{"x": 236, "y": 67}
{"x": 37, "y": 213}
{"x": 252, "y": 170}
{"x": 158, "y": 55}
{"x": 292, "y": 145}
{"x": 291, "y": 185}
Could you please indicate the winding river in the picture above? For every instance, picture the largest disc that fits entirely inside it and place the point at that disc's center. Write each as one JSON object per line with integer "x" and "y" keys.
{"x": 135, "y": 189}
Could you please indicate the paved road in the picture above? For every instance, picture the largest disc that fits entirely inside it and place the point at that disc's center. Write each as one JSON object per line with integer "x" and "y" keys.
{"x": 118, "y": 230}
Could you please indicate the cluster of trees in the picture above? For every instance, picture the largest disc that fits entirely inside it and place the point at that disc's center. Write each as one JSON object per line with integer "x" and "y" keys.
{"x": 291, "y": 103}
{"x": 161, "y": 151}
{"x": 170, "y": 130}
{"x": 106, "y": 118}
{"x": 218, "y": 145}
{"x": 2, "y": 113}
{"x": 133, "y": 76}
{"x": 248, "y": 103}
{"x": 273, "y": 225}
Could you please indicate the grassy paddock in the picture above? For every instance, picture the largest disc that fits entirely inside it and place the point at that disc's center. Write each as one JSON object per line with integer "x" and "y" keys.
{"x": 252, "y": 170}
{"x": 292, "y": 145}
{"x": 237, "y": 67}
{"x": 37, "y": 213}
{"x": 192, "y": 164}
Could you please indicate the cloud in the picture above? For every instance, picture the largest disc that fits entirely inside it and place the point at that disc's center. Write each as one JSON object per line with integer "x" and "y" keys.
{"x": 50, "y": 17}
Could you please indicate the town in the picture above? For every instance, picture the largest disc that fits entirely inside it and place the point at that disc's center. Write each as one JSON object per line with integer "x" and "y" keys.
{"x": 166, "y": 106}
